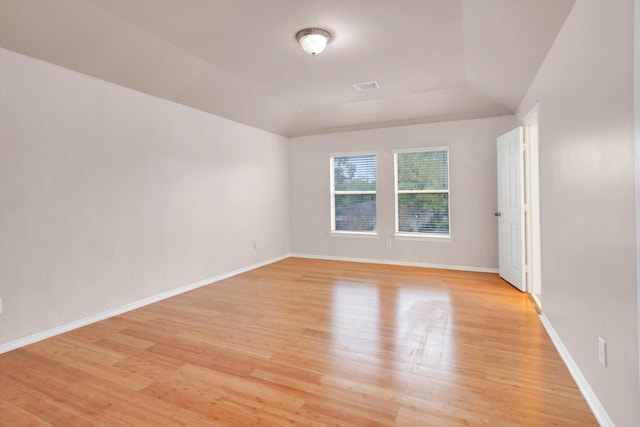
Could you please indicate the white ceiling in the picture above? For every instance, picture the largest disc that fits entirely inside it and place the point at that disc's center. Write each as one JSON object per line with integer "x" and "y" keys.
{"x": 435, "y": 60}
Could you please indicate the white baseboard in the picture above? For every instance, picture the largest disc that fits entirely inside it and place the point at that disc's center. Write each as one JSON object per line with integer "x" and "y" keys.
{"x": 39, "y": 336}
{"x": 592, "y": 400}
{"x": 402, "y": 263}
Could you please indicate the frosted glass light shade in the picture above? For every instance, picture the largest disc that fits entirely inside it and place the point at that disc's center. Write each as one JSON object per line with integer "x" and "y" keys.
{"x": 313, "y": 40}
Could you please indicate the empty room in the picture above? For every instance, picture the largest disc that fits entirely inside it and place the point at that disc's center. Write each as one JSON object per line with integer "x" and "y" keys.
{"x": 319, "y": 212}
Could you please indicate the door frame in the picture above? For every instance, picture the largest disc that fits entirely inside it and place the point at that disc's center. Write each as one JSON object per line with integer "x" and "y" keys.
{"x": 636, "y": 114}
{"x": 532, "y": 253}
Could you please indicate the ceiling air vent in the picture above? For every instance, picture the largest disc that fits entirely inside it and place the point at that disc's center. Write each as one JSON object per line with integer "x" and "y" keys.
{"x": 360, "y": 87}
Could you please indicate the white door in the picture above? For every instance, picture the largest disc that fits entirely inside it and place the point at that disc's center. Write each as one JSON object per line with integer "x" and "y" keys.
{"x": 510, "y": 211}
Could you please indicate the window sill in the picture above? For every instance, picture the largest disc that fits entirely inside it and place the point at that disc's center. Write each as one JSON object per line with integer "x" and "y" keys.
{"x": 424, "y": 238}
{"x": 364, "y": 234}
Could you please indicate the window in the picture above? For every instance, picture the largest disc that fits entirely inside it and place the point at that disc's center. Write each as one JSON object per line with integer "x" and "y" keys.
{"x": 422, "y": 191}
{"x": 353, "y": 193}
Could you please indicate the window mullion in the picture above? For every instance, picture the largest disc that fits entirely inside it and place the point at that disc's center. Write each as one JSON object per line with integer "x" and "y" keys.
{"x": 423, "y": 191}
{"x": 353, "y": 192}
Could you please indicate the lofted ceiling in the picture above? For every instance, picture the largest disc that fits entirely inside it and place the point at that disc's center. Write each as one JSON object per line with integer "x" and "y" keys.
{"x": 435, "y": 60}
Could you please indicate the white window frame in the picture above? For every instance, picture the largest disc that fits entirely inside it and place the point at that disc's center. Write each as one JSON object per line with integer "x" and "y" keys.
{"x": 403, "y": 235}
{"x": 333, "y": 193}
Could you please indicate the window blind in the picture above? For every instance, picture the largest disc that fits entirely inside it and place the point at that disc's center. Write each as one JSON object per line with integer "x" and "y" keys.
{"x": 354, "y": 193}
{"x": 422, "y": 191}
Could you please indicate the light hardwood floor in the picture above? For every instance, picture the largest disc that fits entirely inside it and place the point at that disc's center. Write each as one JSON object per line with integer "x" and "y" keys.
{"x": 305, "y": 342}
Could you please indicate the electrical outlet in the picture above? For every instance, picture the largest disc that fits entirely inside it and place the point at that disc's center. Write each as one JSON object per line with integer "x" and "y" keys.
{"x": 602, "y": 351}
{"x": 387, "y": 243}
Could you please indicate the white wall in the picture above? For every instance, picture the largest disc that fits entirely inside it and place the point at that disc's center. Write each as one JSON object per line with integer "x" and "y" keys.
{"x": 587, "y": 197}
{"x": 108, "y": 196}
{"x": 473, "y": 200}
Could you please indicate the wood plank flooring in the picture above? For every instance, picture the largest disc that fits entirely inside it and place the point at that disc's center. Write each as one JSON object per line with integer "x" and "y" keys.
{"x": 305, "y": 342}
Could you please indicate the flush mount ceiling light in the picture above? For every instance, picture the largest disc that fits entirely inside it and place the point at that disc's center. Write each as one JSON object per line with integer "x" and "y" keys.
{"x": 313, "y": 40}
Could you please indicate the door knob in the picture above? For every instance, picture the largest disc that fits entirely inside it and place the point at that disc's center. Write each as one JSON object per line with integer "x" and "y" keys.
{"x": 497, "y": 214}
